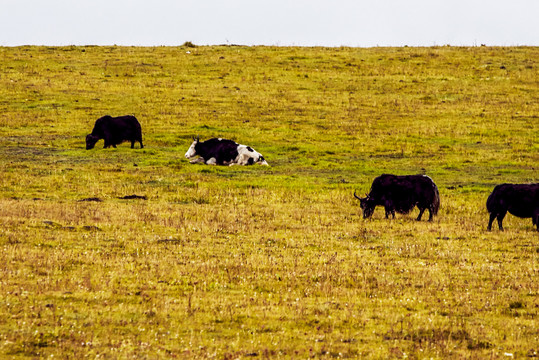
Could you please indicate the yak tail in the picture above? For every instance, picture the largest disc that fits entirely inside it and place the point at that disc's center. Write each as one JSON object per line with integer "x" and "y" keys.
{"x": 436, "y": 200}
{"x": 491, "y": 203}
{"x": 492, "y": 200}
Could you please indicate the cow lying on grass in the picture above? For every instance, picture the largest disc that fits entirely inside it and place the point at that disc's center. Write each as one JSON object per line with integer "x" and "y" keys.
{"x": 223, "y": 152}
{"x": 114, "y": 131}
{"x": 521, "y": 200}
{"x": 401, "y": 194}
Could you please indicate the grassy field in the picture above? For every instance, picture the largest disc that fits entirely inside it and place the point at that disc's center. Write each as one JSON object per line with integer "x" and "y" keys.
{"x": 265, "y": 262}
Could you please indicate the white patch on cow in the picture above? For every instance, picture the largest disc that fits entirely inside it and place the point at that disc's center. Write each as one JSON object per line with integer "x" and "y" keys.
{"x": 245, "y": 154}
{"x": 197, "y": 160}
{"x": 191, "y": 152}
{"x": 212, "y": 161}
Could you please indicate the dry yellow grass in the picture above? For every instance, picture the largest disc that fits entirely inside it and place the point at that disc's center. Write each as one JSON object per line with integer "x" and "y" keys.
{"x": 256, "y": 262}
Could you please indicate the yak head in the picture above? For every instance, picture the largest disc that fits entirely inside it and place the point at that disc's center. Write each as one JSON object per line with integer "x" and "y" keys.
{"x": 192, "y": 152}
{"x": 367, "y": 204}
{"x": 90, "y": 141}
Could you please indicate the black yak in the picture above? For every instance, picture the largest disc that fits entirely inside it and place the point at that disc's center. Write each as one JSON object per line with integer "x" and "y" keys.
{"x": 521, "y": 200}
{"x": 223, "y": 152}
{"x": 114, "y": 131}
{"x": 401, "y": 194}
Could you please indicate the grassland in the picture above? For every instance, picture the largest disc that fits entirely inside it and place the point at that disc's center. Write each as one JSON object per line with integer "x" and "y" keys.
{"x": 258, "y": 262}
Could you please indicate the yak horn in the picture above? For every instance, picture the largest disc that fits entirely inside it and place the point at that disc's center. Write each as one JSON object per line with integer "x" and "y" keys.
{"x": 357, "y": 197}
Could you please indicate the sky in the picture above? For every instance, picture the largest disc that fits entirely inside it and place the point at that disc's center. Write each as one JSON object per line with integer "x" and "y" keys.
{"x": 356, "y": 23}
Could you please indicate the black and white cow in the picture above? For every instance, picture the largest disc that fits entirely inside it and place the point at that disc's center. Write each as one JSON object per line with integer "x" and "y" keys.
{"x": 223, "y": 152}
{"x": 521, "y": 200}
{"x": 401, "y": 194}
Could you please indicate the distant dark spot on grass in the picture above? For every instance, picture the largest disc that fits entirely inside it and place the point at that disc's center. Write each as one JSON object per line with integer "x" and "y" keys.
{"x": 52, "y": 224}
{"x": 516, "y": 305}
{"x": 91, "y": 228}
{"x": 133, "y": 197}
{"x": 96, "y": 199}
{"x": 474, "y": 345}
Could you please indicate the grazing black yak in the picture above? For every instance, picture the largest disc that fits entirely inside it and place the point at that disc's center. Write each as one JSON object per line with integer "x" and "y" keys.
{"x": 114, "y": 131}
{"x": 401, "y": 194}
{"x": 521, "y": 200}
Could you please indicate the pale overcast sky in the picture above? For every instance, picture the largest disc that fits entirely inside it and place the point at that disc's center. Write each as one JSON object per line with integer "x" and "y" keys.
{"x": 269, "y": 22}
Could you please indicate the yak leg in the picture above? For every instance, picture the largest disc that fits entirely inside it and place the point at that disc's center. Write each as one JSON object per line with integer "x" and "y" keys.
{"x": 491, "y": 220}
{"x": 421, "y": 211}
{"x": 109, "y": 141}
{"x": 390, "y": 210}
{"x": 500, "y": 219}
{"x": 430, "y": 214}
{"x": 132, "y": 144}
